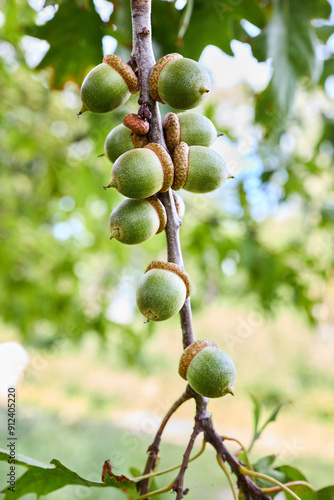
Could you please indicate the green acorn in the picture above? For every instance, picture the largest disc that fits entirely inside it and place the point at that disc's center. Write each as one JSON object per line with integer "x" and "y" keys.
{"x": 135, "y": 221}
{"x": 142, "y": 172}
{"x": 198, "y": 169}
{"x": 118, "y": 141}
{"x": 179, "y": 82}
{"x": 208, "y": 369}
{"x": 108, "y": 86}
{"x": 192, "y": 128}
{"x": 162, "y": 290}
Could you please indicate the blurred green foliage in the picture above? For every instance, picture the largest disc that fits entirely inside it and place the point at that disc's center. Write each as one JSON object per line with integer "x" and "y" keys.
{"x": 61, "y": 276}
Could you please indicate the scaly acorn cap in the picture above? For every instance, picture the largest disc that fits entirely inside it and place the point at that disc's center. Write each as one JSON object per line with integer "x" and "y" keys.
{"x": 190, "y": 352}
{"x": 139, "y": 141}
{"x": 174, "y": 268}
{"x": 181, "y": 166}
{"x": 124, "y": 70}
{"x": 172, "y": 129}
{"x": 136, "y": 124}
{"x": 166, "y": 163}
{"x": 156, "y": 203}
{"x": 154, "y": 76}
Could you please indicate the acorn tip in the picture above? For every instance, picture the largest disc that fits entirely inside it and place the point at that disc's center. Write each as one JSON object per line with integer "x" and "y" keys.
{"x": 204, "y": 90}
{"x": 82, "y": 110}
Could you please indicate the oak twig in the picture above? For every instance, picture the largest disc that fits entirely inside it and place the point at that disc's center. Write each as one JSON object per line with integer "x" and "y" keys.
{"x": 153, "y": 449}
{"x": 276, "y": 489}
{"x": 142, "y": 58}
{"x": 178, "y": 483}
{"x": 228, "y": 476}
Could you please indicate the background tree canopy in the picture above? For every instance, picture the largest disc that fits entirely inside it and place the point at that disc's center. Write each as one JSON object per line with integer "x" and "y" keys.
{"x": 265, "y": 237}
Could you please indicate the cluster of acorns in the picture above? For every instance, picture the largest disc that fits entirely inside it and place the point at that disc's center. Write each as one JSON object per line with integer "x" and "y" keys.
{"x": 141, "y": 169}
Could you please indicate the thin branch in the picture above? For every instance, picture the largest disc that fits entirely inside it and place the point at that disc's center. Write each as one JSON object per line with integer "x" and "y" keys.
{"x": 153, "y": 449}
{"x": 142, "y": 54}
{"x": 276, "y": 489}
{"x": 185, "y": 21}
{"x": 259, "y": 475}
{"x": 165, "y": 471}
{"x": 175, "y": 255}
{"x": 228, "y": 476}
{"x": 178, "y": 484}
{"x": 156, "y": 492}
{"x": 249, "y": 465}
{"x": 249, "y": 488}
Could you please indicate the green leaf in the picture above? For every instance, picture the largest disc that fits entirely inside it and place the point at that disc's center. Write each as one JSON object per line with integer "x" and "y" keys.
{"x": 303, "y": 492}
{"x": 22, "y": 460}
{"x": 292, "y": 474}
{"x": 257, "y": 409}
{"x": 326, "y": 493}
{"x": 324, "y": 32}
{"x": 292, "y": 49}
{"x": 328, "y": 69}
{"x": 222, "y": 25}
{"x": 273, "y": 415}
{"x": 321, "y": 9}
{"x": 259, "y": 46}
{"x": 15, "y": 16}
{"x": 75, "y": 38}
{"x": 121, "y": 19}
{"x": 42, "y": 479}
{"x": 269, "y": 114}
{"x": 264, "y": 465}
{"x": 52, "y": 2}
{"x": 256, "y": 419}
{"x": 135, "y": 472}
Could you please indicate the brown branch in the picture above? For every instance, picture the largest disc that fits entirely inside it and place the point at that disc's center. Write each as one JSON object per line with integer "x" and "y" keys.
{"x": 142, "y": 54}
{"x": 178, "y": 484}
{"x": 175, "y": 255}
{"x": 153, "y": 449}
{"x": 142, "y": 58}
{"x": 248, "y": 487}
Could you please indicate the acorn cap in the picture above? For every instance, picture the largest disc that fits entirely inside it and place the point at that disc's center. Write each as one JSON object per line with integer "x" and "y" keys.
{"x": 166, "y": 163}
{"x": 136, "y": 124}
{"x": 190, "y": 352}
{"x": 124, "y": 70}
{"x": 154, "y": 76}
{"x": 156, "y": 203}
{"x": 139, "y": 141}
{"x": 172, "y": 129}
{"x": 181, "y": 166}
{"x": 174, "y": 268}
